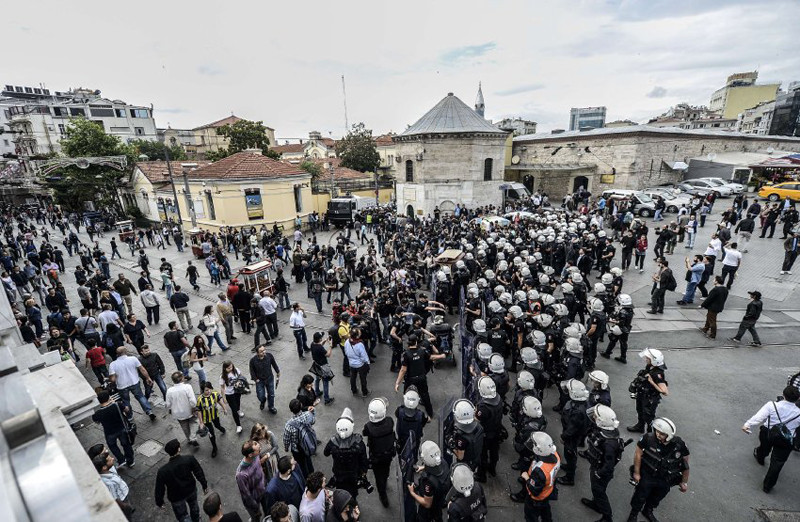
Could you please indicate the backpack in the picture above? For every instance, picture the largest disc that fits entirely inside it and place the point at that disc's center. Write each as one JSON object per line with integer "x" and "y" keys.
{"x": 306, "y": 439}
{"x": 241, "y": 386}
{"x": 333, "y": 333}
{"x": 671, "y": 284}
{"x": 779, "y": 434}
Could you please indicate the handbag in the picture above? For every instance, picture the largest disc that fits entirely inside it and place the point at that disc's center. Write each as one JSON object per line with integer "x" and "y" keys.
{"x": 130, "y": 427}
{"x": 324, "y": 372}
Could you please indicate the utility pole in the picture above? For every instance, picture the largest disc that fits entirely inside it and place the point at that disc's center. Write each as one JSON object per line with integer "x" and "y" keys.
{"x": 186, "y": 192}
{"x": 344, "y": 93}
{"x": 174, "y": 191}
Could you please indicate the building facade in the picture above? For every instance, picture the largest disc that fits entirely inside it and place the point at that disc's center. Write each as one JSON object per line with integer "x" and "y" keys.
{"x": 315, "y": 147}
{"x": 627, "y": 157}
{"x": 786, "y": 114}
{"x": 517, "y": 126}
{"x": 450, "y": 156}
{"x": 587, "y": 117}
{"x": 756, "y": 120}
{"x": 741, "y": 92}
{"x": 199, "y": 141}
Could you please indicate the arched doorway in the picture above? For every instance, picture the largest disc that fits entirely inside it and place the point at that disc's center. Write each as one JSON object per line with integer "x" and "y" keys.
{"x": 410, "y": 211}
{"x": 580, "y": 181}
{"x": 529, "y": 181}
{"x": 447, "y": 206}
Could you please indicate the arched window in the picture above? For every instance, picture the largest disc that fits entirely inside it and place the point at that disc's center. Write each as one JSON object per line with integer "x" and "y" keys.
{"x": 409, "y": 171}
{"x": 487, "y": 169}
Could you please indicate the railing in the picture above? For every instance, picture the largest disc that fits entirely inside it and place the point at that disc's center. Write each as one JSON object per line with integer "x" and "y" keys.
{"x": 324, "y": 186}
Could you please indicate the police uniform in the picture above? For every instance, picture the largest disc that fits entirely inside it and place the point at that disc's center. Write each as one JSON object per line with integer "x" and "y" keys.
{"x": 408, "y": 421}
{"x": 498, "y": 339}
{"x": 662, "y": 467}
{"x": 434, "y": 482}
{"x": 381, "y": 443}
{"x": 574, "y": 424}
{"x": 599, "y": 396}
{"x": 471, "y": 443}
{"x": 647, "y": 397}
{"x": 598, "y": 320}
{"x": 501, "y": 382}
{"x": 468, "y": 509}
{"x": 349, "y": 461}
{"x": 571, "y": 367}
{"x": 399, "y": 327}
{"x": 417, "y": 362}
{"x": 541, "y": 488}
{"x": 624, "y": 320}
{"x": 525, "y": 427}
{"x": 603, "y": 452}
{"x": 489, "y": 413}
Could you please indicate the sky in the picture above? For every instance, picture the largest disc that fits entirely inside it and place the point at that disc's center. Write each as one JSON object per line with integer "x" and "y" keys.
{"x": 282, "y": 62}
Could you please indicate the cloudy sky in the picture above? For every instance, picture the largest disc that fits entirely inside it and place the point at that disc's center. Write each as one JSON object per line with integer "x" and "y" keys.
{"x": 282, "y": 62}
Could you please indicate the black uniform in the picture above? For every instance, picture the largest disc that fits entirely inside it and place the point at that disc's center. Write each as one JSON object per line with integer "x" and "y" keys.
{"x": 603, "y": 452}
{"x": 647, "y": 397}
{"x": 526, "y": 426}
{"x": 624, "y": 320}
{"x": 381, "y": 442}
{"x": 349, "y": 461}
{"x": 598, "y": 320}
{"x": 433, "y": 482}
{"x": 417, "y": 362}
{"x": 408, "y": 421}
{"x": 468, "y": 509}
{"x": 489, "y": 413}
{"x": 574, "y": 424}
{"x": 469, "y": 439}
{"x": 599, "y": 396}
{"x": 662, "y": 467}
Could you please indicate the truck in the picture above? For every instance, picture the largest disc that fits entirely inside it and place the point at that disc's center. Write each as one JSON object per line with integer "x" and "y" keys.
{"x": 514, "y": 192}
{"x": 342, "y": 210}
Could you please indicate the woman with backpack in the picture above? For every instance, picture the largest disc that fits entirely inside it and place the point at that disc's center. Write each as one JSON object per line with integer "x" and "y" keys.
{"x": 229, "y": 382}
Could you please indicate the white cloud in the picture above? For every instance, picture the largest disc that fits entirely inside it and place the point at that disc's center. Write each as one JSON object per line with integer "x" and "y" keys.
{"x": 282, "y": 63}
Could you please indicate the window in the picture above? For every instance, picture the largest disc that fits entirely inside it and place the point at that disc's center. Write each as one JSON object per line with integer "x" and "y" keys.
{"x": 5, "y": 142}
{"x": 120, "y": 113}
{"x": 252, "y": 201}
{"x": 391, "y": 160}
{"x": 139, "y": 113}
{"x": 487, "y": 169}
{"x": 59, "y": 111}
{"x": 77, "y": 112}
{"x": 19, "y": 89}
{"x": 212, "y": 212}
{"x": 409, "y": 171}
{"x": 139, "y": 131}
{"x": 36, "y": 90}
{"x": 102, "y": 113}
{"x": 298, "y": 198}
{"x": 199, "y": 212}
{"x": 29, "y": 90}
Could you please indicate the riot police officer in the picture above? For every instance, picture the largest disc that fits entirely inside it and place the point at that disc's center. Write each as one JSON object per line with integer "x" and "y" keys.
{"x": 349, "y": 454}
{"x": 467, "y": 503}
{"x": 647, "y": 388}
{"x": 596, "y": 331}
{"x": 620, "y": 329}
{"x": 414, "y": 368}
{"x": 433, "y": 484}
{"x": 531, "y": 420}
{"x": 410, "y": 419}
{"x": 482, "y": 355}
{"x": 499, "y": 374}
{"x": 526, "y": 387}
{"x": 498, "y": 339}
{"x": 489, "y": 413}
{"x": 540, "y": 482}
{"x": 532, "y": 364}
{"x": 381, "y": 443}
{"x": 661, "y": 462}
{"x": 571, "y": 368}
{"x": 479, "y": 326}
{"x": 574, "y": 424}
{"x": 444, "y": 336}
{"x": 396, "y": 330}
{"x": 603, "y": 452}
{"x": 599, "y": 392}
{"x": 465, "y": 435}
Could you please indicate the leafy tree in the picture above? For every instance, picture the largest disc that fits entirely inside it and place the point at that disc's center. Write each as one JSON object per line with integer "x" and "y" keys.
{"x": 74, "y": 186}
{"x": 312, "y": 168}
{"x": 156, "y": 150}
{"x": 357, "y": 150}
{"x": 244, "y": 134}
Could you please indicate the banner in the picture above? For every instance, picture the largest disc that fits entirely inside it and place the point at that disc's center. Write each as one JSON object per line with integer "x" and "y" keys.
{"x": 252, "y": 199}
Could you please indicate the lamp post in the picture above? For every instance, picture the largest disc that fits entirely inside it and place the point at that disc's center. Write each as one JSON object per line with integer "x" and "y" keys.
{"x": 186, "y": 167}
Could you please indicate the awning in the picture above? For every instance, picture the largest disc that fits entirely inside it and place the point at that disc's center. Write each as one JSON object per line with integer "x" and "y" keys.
{"x": 512, "y": 186}
{"x": 676, "y": 165}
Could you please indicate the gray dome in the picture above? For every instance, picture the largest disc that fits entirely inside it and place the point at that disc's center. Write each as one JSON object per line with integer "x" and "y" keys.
{"x": 451, "y": 115}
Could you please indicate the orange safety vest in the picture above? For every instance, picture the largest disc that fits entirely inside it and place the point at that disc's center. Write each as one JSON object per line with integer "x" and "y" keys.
{"x": 550, "y": 470}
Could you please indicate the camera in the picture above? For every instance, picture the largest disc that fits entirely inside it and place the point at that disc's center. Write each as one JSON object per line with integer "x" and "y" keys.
{"x": 366, "y": 485}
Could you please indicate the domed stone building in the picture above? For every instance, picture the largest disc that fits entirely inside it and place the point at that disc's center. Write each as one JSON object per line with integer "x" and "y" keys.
{"x": 450, "y": 156}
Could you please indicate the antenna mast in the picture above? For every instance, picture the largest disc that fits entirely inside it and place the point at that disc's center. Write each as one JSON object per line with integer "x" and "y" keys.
{"x": 344, "y": 93}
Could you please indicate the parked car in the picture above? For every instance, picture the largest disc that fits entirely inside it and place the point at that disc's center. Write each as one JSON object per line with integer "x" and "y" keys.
{"x": 683, "y": 188}
{"x": 735, "y": 187}
{"x": 720, "y": 190}
{"x": 672, "y": 201}
{"x": 639, "y": 203}
{"x": 779, "y": 191}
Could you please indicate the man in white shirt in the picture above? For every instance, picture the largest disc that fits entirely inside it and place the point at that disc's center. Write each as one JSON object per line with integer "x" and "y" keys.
{"x": 270, "y": 307}
{"x": 730, "y": 264}
{"x": 181, "y": 403}
{"x": 298, "y": 325}
{"x": 125, "y": 372}
{"x": 150, "y": 301}
{"x": 771, "y": 414}
{"x": 108, "y": 316}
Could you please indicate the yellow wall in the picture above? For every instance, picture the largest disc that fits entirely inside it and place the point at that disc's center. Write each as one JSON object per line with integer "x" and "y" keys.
{"x": 741, "y": 98}
{"x": 509, "y": 147}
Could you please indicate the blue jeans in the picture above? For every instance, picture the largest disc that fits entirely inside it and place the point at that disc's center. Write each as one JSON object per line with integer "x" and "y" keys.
{"x": 658, "y": 217}
{"x": 216, "y": 336}
{"x": 283, "y": 300}
{"x": 688, "y": 297}
{"x": 265, "y": 391}
{"x": 176, "y": 356}
{"x": 302, "y": 340}
{"x": 126, "y": 455}
{"x": 136, "y": 389}
{"x": 184, "y": 514}
{"x": 201, "y": 374}
{"x": 325, "y": 384}
{"x": 168, "y": 288}
{"x": 159, "y": 380}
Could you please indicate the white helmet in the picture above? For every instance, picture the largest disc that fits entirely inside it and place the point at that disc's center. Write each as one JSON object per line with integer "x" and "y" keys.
{"x": 617, "y": 271}
{"x": 576, "y": 277}
{"x": 542, "y": 444}
{"x": 489, "y": 275}
{"x": 573, "y": 346}
{"x": 548, "y": 270}
{"x": 516, "y": 312}
{"x": 430, "y": 453}
{"x": 446, "y": 270}
{"x": 496, "y": 363}
{"x": 560, "y": 310}
{"x": 615, "y": 330}
{"x": 603, "y": 416}
{"x": 441, "y": 277}
{"x": 572, "y": 332}
{"x": 624, "y": 300}
{"x": 411, "y": 398}
{"x": 655, "y": 356}
{"x": 530, "y": 358}
{"x": 525, "y": 272}
{"x": 472, "y": 293}
{"x": 506, "y": 299}
{"x": 599, "y": 288}
{"x": 601, "y": 377}
{"x": 597, "y": 305}
{"x": 344, "y": 426}
{"x": 607, "y": 279}
{"x": 602, "y": 233}
{"x": 487, "y": 388}
{"x": 520, "y": 295}
{"x": 544, "y": 279}
{"x": 377, "y": 409}
{"x": 538, "y": 256}
{"x": 494, "y": 307}
{"x": 517, "y": 260}
{"x": 544, "y": 320}
{"x": 547, "y": 299}
{"x": 532, "y": 407}
{"x": 567, "y": 288}
{"x": 463, "y": 412}
{"x": 665, "y": 426}
{"x": 576, "y": 389}
{"x": 479, "y": 325}
{"x": 533, "y": 295}
{"x": 498, "y": 290}
{"x": 525, "y": 380}
{"x": 482, "y": 283}
{"x": 503, "y": 264}
{"x": 462, "y": 479}
{"x": 539, "y": 338}
{"x": 484, "y": 351}
{"x": 460, "y": 264}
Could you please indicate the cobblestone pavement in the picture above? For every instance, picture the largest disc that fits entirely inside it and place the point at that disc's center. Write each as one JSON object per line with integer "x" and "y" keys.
{"x": 713, "y": 389}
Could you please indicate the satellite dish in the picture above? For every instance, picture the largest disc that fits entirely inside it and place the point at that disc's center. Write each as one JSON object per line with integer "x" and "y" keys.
{"x": 515, "y": 159}
{"x": 711, "y": 156}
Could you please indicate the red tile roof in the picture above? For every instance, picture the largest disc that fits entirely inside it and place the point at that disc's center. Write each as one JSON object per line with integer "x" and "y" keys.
{"x": 219, "y": 123}
{"x": 384, "y": 140}
{"x": 246, "y": 165}
{"x": 157, "y": 172}
{"x": 291, "y": 148}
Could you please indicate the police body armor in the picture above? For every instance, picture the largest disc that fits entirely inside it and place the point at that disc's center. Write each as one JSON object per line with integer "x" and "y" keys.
{"x": 347, "y": 457}
{"x": 439, "y": 477}
{"x": 381, "y": 440}
{"x": 417, "y": 369}
{"x": 501, "y": 381}
{"x": 498, "y": 342}
{"x": 516, "y": 403}
{"x": 599, "y": 397}
{"x": 491, "y": 416}
{"x": 408, "y": 421}
{"x": 573, "y": 416}
{"x": 471, "y": 508}
{"x": 472, "y": 454}
{"x": 641, "y": 389}
{"x": 525, "y": 428}
{"x": 663, "y": 461}
{"x": 596, "y": 442}
{"x": 625, "y": 319}
{"x": 602, "y": 321}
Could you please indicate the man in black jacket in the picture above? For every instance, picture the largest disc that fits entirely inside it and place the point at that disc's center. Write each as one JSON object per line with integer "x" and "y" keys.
{"x": 241, "y": 304}
{"x": 751, "y": 315}
{"x": 178, "y": 478}
{"x": 714, "y": 304}
{"x": 261, "y": 366}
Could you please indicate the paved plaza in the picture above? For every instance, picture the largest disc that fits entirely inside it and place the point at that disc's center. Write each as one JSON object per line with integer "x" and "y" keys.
{"x": 714, "y": 388}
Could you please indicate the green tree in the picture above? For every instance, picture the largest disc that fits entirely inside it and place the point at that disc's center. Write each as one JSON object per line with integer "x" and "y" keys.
{"x": 74, "y": 186}
{"x": 357, "y": 150}
{"x": 244, "y": 134}
{"x": 155, "y": 150}
{"x": 312, "y": 168}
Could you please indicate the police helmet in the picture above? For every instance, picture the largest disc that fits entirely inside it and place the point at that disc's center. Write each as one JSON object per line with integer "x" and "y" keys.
{"x": 496, "y": 363}
{"x": 345, "y": 425}
{"x": 603, "y": 417}
{"x": 567, "y": 288}
{"x": 377, "y": 409}
{"x": 665, "y": 426}
{"x": 573, "y": 346}
{"x": 463, "y": 412}
{"x": 484, "y": 351}
{"x": 479, "y": 325}
{"x": 547, "y": 299}
{"x": 462, "y": 479}
{"x": 542, "y": 444}
{"x": 600, "y": 377}
{"x": 532, "y": 407}
{"x": 530, "y": 358}
{"x": 411, "y": 398}
{"x": 487, "y": 388}
{"x": 624, "y": 300}
{"x": 544, "y": 320}
{"x": 515, "y": 311}
{"x": 430, "y": 453}
{"x": 525, "y": 380}
{"x": 655, "y": 356}
{"x": 576, "y": 389}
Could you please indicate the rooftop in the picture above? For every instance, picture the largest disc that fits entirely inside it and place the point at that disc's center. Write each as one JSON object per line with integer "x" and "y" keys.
{"x": 451, "y": 116}
{"x": 246, "y": 165}
{"x": 157, "y": 171}
{"x": 647, "y": 129}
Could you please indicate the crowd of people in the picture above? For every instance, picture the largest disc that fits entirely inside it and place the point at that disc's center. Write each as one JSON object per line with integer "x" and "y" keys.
{"x": 536, "y": 298}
